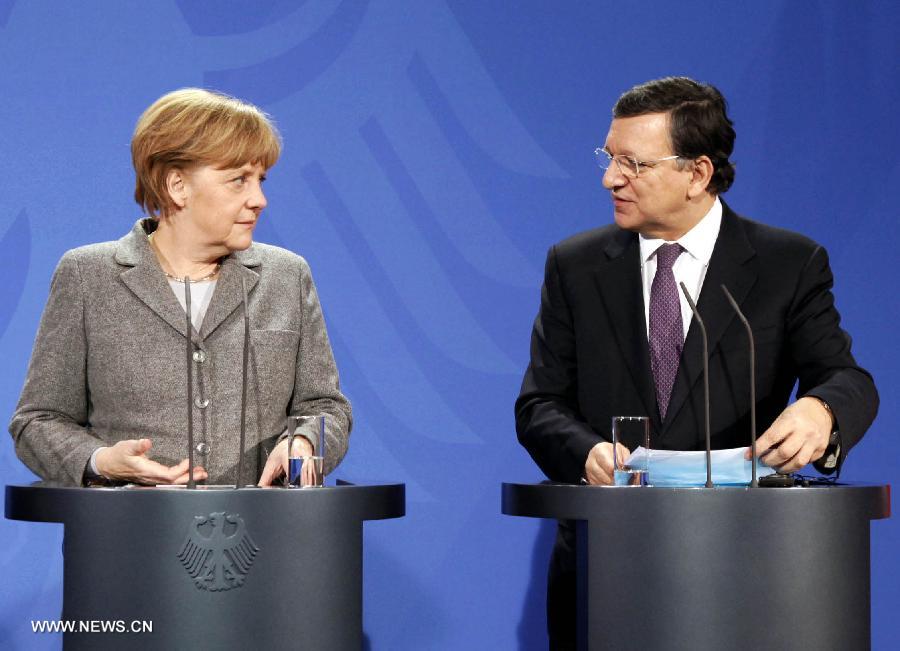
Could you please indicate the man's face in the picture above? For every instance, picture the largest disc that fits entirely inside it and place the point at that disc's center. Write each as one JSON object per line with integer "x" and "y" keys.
{"x": 655, "y": 203}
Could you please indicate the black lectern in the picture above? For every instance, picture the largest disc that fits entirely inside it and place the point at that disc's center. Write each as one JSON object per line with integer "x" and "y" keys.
{"x": 211, "y": 569}
{"x": 719, "y": 568}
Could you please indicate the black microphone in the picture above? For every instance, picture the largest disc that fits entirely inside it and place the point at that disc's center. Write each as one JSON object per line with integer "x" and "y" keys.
{"x": 737, "y": 310}
{"x": 709, "y": 482}
{"x": 190, "y": 380}
{"x": 244, "y": 364}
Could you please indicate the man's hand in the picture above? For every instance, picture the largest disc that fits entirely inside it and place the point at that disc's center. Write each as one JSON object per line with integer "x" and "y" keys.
{"x": 598, "y": 469}
{"x": 127, "y": 461}
{"x": 797, "y": 437}
{"x": 277, "y": 463}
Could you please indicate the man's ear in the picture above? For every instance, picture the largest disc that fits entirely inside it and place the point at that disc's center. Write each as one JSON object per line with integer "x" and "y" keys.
{"x": 701, "y": 174}
{"x": 176, "y": 187}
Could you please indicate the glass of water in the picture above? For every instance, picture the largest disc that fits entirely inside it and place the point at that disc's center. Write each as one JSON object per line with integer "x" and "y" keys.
{"x": 306, "y": 470}
{"x": 632, "y": 432}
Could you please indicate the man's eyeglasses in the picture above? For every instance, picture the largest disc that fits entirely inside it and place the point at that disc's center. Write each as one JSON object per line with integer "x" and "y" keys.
{"x": 629, "y": 165}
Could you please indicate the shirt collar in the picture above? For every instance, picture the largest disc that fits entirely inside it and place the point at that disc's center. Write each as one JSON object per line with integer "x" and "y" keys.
{"x": 698, "y": 242}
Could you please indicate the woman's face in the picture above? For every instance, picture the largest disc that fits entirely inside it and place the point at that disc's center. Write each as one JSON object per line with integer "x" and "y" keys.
{"x": 222, "y": 206}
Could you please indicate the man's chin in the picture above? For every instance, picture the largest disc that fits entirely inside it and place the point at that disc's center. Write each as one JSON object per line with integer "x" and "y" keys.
{"x": 626, "y": 220}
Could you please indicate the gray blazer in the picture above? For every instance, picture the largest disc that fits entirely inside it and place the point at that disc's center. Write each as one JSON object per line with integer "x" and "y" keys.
{"x": 109, "y": 362}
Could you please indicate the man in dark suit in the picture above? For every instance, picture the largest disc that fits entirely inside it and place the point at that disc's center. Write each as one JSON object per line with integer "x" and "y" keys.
{"x": 614, "y": 335}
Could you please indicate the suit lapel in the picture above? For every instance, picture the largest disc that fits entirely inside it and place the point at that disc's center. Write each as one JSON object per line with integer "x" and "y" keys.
{"x": 620, "y": 286}
{"x": 144, "y": 277}
{"x": 731, "y": 265}
{"x": 229, "y": 294}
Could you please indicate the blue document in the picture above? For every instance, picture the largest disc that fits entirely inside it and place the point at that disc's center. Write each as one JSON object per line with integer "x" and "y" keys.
{"x": 676, "y": 468}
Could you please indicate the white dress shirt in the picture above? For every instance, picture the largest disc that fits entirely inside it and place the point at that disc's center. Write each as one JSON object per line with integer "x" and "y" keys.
{"x": 690, "y": 267}
{"x": 201, "y": 295}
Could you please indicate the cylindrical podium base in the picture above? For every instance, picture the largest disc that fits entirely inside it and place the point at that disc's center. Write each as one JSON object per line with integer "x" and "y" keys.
{"x": 723, "y": 568}
{"x": 211, "y": 569}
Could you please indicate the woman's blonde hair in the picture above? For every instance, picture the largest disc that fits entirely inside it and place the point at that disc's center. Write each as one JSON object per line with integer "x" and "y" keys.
{"x": 193, "y": 126}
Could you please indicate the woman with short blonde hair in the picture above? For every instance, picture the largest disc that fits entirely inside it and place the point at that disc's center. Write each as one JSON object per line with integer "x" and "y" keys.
{"x": 231, "y": 132}
{"x": 105, "y": 397}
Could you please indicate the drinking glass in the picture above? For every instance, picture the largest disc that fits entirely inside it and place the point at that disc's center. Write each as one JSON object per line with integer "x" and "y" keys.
{"x": 631, "y": 431}
{"x": 305, "y": 470}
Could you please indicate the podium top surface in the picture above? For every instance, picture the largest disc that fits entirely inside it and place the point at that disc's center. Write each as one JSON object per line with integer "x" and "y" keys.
{"x": 46, "y": 502}
{"x": 577, "y": 502}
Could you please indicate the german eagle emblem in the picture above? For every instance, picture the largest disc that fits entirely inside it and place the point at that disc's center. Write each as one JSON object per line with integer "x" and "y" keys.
{"x": 218, "y": 551}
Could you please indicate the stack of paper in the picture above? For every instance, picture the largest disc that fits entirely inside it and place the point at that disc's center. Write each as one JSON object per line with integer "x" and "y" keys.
{"x": 676, "y": 468}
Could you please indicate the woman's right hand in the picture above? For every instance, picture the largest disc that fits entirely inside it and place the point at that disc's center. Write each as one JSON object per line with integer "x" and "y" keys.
{"x": 127, "y": 461}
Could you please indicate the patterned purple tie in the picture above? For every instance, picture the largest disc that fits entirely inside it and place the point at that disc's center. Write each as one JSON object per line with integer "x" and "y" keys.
{"x": 666, "y": 329}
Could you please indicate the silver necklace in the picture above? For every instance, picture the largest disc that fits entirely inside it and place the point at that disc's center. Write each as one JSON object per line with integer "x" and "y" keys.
{"x": 208, "y": 276}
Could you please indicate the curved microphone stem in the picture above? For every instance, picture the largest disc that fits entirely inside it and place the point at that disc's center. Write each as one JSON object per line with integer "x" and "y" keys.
{"x": 754, "y": 483}
{"x": 190, "y": 380}
{"x": 687, "y": 295}
{"x": 240, "y": 467}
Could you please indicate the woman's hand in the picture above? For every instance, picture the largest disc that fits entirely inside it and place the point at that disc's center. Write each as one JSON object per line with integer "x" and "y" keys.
{"x": 277, "y": 463}
{"x": 127, "y": 460}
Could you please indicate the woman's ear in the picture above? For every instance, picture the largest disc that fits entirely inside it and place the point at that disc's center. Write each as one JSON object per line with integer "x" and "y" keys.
{"x": 176, "y": 187}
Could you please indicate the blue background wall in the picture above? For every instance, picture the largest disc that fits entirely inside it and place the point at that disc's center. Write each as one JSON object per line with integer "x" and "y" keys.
{"x": 434, "y": 150}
